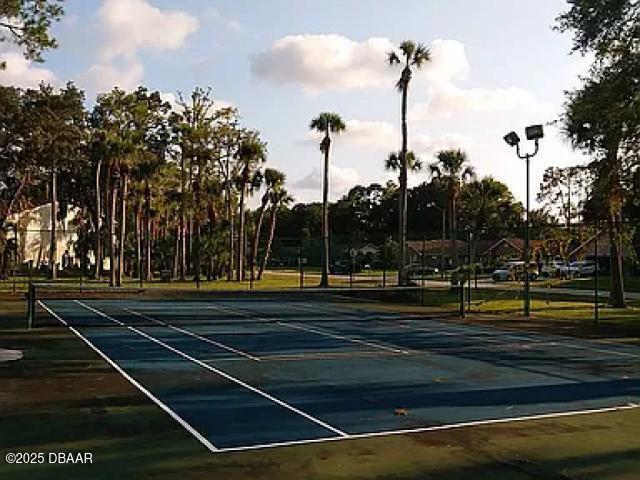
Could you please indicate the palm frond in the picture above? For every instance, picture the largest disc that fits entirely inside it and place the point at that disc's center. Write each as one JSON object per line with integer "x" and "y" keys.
{"x": 421, "y": 56}
{"x": 393, "y": 58}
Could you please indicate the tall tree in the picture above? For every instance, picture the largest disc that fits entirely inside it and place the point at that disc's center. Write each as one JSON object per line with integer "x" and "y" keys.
{"x": 279, "y": 199}
{"x": 409, "y": 56}
{"x": 252, "y": 152}
{"x": 26, "y": 24}
{"x": 487, "y": 206}
{"x": 453, "y": 169}
{"x": 273, "y": 182}
{"x": 57, "y": 123}
{"x": 564, "y": 190}
{"x": 326, "y": 123}
{"x": 602, "y": 117}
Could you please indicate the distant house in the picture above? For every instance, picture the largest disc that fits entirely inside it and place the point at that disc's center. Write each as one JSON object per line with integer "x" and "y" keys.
{"x": 508, "y": 249}
{"x": 587, "y": 249}
{"x": 487, "y": 252}
{"x": 435, "y": 251}
{"x": 33, "y": 230}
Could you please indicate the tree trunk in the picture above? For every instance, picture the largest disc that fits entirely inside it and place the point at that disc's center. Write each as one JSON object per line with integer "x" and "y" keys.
{"x": 148, "y": 273}
{"x": 616, "y": 295}
{"x": 272, "y": 230}
{"x": 138, "y": 239}
{"x": 123, "y": 227}
{"x": 402, "y": 200}
{"x": 198, "y": 243}
{"x": 231, "y": 226}
{"x": 112, "y": 232}
{"x": 241, "y": 228}
{"x": 182, "y": 253}
{"x": 454, "y": 232}
{"x": 324, "y": 279}
{"x": 256, "y": 236}
{"x": 176, "y": 253}
{"x": 98, "y": 238}
{"x": 53, "y": 246}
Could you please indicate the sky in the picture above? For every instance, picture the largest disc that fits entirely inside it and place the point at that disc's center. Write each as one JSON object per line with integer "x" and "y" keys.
{"x": 496, "y": 66}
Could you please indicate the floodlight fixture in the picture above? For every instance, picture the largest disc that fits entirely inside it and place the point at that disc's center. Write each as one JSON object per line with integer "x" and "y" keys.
{"x": 534, "y": 132}
{"x": 512, "y": 139}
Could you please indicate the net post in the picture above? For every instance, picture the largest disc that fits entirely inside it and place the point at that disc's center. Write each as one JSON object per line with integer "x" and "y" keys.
{"x": 31, "y": 305}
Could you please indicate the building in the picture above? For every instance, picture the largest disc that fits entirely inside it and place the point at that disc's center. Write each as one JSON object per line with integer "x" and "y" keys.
{"x": 33, "y": 230}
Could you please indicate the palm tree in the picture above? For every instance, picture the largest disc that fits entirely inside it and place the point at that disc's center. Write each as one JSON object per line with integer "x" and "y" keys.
{"x": 411, "y": 55}
{"x": 251, "y": 153}
{"x": 273, "y": 181}
{"x": 392, "y": 162}
{"x": 453, "y": 169}
{"x": 279, "y": 198}
{"x": 326, "y": 123}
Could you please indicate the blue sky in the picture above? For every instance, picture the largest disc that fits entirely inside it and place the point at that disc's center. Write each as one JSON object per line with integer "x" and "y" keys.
{"x": 497, "y": 65}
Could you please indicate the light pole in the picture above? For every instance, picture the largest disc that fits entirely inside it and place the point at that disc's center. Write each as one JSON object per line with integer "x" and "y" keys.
{"x": 444, "y": 233}
{"x": 535, "y": 133}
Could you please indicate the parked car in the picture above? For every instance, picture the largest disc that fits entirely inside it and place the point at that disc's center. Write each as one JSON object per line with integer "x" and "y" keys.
{"x": 512, "y": 271}
{"x": 418, "y": 272}
{"x": 580, "y": 268}
{"x": 344, "y": 267}
{"x": 553, "y": 269}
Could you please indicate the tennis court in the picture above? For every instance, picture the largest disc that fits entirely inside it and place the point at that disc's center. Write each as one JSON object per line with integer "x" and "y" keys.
{"x": 242, "y": 372}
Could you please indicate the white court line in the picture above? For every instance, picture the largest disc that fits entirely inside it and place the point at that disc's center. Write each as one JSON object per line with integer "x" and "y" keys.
{"x": 342, "y": 337}
{"x": 313, "y": 330}
{"x": 561, "y": 341}
{"x": 218, "y": 372}
{"x": 551, "y": 338}
{"x": 134, "y": 382}
{"x": 451, "y": 426}
{"x": 192, "y": 334}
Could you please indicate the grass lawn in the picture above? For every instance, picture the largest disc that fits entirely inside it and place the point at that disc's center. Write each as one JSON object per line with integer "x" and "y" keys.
{"x": 62, "y": 397}
{"x": 273, "y": 279}
{"x": 631, "y": 284}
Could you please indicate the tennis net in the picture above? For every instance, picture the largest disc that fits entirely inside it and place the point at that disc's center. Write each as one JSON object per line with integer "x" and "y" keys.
{"x": 52, "y": 305}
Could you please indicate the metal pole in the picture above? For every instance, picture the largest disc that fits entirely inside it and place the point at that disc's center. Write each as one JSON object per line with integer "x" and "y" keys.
{"x": 469, "y": 272}
{"x": 251, "y": 261}
{"x": 596, "y": 311}
{"x": 300, "y": 266}
{"x": 444, "y": 239}
{"x": 384, "y": 264}
{"x": 424, "y": 247}
{"x": 527, "y": 287}
{"x": 31, "y": 306}
{"x": 351, "y": 266}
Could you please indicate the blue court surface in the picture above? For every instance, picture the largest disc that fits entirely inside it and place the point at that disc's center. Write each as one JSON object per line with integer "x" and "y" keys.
{"x": 246, "y": 373}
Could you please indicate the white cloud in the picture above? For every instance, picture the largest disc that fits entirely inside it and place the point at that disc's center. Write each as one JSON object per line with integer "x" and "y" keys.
{"x": 132, "y": 25}
{"x": 217, "y": 16}
{"x": 370, "y": 135}
{"x": 172, "y": 98}
{"x": 448, "y": 61}
{"x": 325, "y": 62}
{"x": 334, "y": 62}
{"x": 340, "y": 180}
{"x": 427, "y": 146}
{"x": 447, "y": 99}
{"x": 22, "y": 72}
{"x": 321, "y": 62}
{"x": 101, "y": 78}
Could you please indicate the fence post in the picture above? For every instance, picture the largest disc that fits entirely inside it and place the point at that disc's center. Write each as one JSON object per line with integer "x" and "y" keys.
{"x": 384, "y": 264}
{"x": 351, "y": 266}
{"x": 424, "y": 248}
{"x": 596, "y": 311}
{"x": 31, "y": 305}
{"x": 300, "y": 265}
